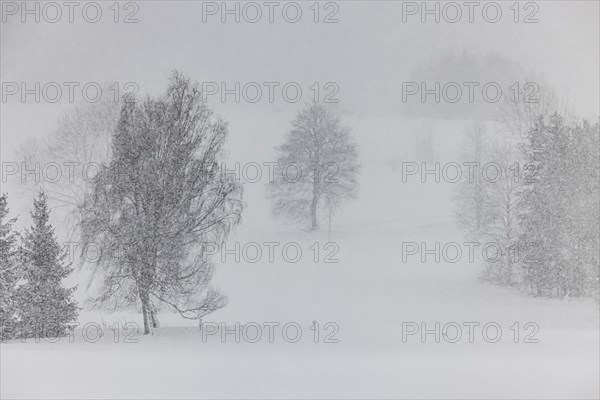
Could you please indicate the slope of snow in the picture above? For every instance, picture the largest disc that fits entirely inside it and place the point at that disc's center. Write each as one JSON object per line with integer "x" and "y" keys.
{"x": 369, "y": 294}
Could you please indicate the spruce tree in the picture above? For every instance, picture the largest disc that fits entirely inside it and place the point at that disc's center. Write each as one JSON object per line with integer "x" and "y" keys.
{"x": 559, "y": 210}
{"x": 45, "y": 305}
{"x": 8, "y": 271}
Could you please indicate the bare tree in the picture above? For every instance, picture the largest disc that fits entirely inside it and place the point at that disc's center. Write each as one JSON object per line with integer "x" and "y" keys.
{"x": 488, "y": 199}
{"x": 519, "y": 108}
{"x": 79, "y": 144}
{"x": 317, "y": 167}
{"x": 471, "y": 194}
{"x": 502, "y": 208}
{"x": 158, "y": 204}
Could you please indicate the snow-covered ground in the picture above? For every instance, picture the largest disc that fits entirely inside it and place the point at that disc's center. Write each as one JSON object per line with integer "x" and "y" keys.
{"x": 367, "y": 296}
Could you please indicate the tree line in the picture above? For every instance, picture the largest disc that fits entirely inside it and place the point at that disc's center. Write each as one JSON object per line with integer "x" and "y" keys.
{"x": 542, "y": 212}
{"x": 154, "y": 199}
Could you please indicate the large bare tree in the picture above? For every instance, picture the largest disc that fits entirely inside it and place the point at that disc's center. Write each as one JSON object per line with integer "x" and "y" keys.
{"x": 317, "y": 167}
{"x": 159, "y": 202}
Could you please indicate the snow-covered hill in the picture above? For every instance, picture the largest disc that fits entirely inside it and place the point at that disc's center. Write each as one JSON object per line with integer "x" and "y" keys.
{"x": 371, "y": 298}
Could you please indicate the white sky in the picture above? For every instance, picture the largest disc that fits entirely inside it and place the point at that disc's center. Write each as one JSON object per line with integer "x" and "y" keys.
{"x": 366, "y": 51}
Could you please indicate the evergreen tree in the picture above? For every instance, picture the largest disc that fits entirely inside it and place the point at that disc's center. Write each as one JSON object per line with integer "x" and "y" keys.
{"x": 560, "y": 209}
{"x": 585, "y": 211}
{"x": 44, "y": 304}
{"x": 8, "y": 271}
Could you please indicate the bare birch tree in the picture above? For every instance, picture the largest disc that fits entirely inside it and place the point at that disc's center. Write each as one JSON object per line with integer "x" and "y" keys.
{"x": 159, "y": 202}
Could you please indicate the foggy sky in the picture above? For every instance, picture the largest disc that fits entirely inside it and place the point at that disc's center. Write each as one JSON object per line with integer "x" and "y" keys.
{"x": 367, "y": 53}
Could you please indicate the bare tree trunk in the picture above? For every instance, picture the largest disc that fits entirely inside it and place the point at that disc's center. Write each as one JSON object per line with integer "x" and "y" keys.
{"x": 329, "y": 226}
{"x": 313, "y": 207}
{"x": 154, "y": 317}
{"x": 313, "y": 216}
{"x": 145, "y": 310}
